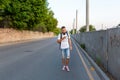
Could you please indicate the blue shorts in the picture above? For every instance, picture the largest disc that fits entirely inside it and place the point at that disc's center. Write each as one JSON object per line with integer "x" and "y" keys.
{"x": 66, "y": 53}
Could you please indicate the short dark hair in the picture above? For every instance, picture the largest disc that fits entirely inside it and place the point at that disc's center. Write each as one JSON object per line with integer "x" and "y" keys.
{"x": 63, "y": 27}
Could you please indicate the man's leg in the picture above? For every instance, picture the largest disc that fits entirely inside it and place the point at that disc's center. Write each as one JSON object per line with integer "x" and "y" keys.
{"x": 67, "y": 59}
{"x": 67, "y": 62}
{"x": 63, "y": 59}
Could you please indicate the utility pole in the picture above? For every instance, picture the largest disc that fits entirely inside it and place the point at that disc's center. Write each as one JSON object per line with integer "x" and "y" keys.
{"x": 76, "y": 20}
{"x": 87, "y": 15}
{"x": 73, "y": 26}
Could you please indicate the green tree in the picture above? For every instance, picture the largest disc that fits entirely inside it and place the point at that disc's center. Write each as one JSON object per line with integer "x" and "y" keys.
{"x": 57, "y": 31}
{"x": 4, "y": 20}
{"x": 50, "y": 21}
{"x": 91, "y": 28}
{"x": 72, "y": 31}
{"x": 27, "y": 15}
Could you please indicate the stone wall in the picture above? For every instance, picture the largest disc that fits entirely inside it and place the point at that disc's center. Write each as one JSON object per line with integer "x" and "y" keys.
{"x": 8, "y": 35}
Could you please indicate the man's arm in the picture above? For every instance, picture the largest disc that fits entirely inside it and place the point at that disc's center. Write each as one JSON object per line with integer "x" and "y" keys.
{"x": 70, "y": 43}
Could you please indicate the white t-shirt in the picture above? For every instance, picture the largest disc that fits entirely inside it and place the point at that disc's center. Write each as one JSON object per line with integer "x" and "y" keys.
{"x": 64, "y": 43}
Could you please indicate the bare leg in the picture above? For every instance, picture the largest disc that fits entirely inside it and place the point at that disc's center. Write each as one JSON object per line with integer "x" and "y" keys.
{"x": 63, "y": 61}
{"x": 66, "y": 62}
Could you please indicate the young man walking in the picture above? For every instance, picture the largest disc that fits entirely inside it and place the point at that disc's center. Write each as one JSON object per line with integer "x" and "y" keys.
{"x": 65, "y": 46}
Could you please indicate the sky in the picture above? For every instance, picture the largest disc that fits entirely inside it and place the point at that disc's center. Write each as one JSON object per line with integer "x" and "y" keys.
{"x": 103, "y": 13}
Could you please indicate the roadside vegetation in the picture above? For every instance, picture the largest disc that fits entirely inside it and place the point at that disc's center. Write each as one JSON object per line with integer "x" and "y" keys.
{"x": 33, "y": 15}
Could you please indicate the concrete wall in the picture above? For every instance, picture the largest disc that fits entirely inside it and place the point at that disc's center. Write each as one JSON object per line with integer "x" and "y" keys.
{"x": 114, "y": 52}
{"x": 104, "y": 47}
{"x": 8, "y": 35}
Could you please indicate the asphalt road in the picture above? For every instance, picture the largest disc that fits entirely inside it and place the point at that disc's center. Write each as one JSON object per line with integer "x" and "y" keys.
{"x": 40, "y": 60}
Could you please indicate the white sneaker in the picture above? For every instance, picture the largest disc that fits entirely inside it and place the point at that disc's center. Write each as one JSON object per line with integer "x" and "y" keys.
{"x": 63, "y": 68}
{"x": 67, "y": 68}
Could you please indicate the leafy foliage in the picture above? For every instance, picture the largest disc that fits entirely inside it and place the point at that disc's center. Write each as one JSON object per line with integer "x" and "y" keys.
{"x": 91, "y": 28}
{"x": 57, "y": 31}
{"x": 73, "y": 31}
{"x": 27, "y": 15}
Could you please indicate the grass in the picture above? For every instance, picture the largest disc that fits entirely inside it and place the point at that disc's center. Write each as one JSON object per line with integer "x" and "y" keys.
{"x": 83, "y": 46}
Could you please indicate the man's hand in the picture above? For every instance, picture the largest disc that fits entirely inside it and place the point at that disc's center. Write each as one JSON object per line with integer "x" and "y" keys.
{"x": 59, "y": 41}
{"x": 63, "y": 37}
{"x": 70, "y": 47}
